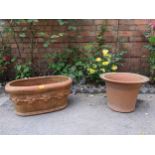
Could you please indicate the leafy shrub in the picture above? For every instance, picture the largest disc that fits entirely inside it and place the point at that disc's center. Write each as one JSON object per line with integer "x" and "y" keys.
{"x": 83, "y": 65}
{"x": 150, "y": 36}
{"x": 23, "y": 70}
{"x": 87, "y": 62}
{"x": 108, "y": 62}
{"x": 71, "y": 62}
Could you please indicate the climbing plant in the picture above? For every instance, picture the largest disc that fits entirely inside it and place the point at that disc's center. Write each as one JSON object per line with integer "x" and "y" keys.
{"x": 150, "y": 36}
{"x": 24, "y": 33}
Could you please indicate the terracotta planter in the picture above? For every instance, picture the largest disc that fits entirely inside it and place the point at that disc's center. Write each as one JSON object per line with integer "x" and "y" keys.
{"x": 39, "y": 94}
{"x": 122, "y": 90}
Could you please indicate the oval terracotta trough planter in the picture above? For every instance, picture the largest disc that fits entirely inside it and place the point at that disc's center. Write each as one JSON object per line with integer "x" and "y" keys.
{"x": 39, "y": 94}
{"x": 122, "y": 90}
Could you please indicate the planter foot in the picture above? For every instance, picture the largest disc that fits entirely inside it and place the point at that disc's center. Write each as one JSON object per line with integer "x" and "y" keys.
{"x": 40, "y": 111}
{"x": 120, "y": 110}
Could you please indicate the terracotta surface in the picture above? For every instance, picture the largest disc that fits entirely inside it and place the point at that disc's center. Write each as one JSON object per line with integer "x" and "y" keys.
{"x": 39, "y": 94}
{"x": 122, "y": 90}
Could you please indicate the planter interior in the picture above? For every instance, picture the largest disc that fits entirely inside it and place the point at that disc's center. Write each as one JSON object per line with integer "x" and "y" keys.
{"x": 39, "y": 94}
{"x": 122, "y": 90}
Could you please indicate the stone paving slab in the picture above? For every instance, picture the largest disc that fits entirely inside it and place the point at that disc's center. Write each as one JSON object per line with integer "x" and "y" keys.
{"x": 85, "y": 115}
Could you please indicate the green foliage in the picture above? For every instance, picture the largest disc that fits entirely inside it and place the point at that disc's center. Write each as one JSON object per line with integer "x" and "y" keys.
{"x": 71, "y": 62}
{"x": 102, "y": 59}
{"x": 42, "y": 34}
{"x": 52, "y": 38}
{"x": 150, "y": 48}
{"x": 73, "y": 28}
{"x": 23, "y": 70}
{"x": 6, "y": 59}
{"x": 76, "y": 64}
{"x": 100, "y": 38}
{"x": 79, "y": 62}
{"x": 108, "y": 62}
{"x": 151, "y": 40}
{"x": 62, "y": 22}
{"x": 150, "y": 36}
{"x": 27, "y": 30}
{"x": 22, "y": 35}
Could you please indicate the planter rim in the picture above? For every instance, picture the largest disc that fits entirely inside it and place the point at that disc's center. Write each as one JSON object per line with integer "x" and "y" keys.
{"x": 10, "y": 88}
{"x": 140, "y": 78}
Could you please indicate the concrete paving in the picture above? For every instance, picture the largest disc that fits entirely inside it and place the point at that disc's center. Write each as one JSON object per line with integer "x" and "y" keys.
{"x": 85, "y": 115}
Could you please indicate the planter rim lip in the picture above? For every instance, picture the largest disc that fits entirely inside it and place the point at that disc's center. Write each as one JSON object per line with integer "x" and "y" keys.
{"x": 39, "y": 88}
{"x": 144, "y": 79}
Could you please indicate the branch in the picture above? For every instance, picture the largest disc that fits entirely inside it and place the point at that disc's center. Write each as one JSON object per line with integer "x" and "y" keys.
{"x": 14, "y": 36}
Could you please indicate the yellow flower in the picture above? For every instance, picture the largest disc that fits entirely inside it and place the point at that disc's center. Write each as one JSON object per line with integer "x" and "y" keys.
{"x": 105, "y": 52}
{"x": 105, "y": 63}
{"x": 114, "y": 67}
{"x": 98, "y": 59}
{"x": 91, "y": 70}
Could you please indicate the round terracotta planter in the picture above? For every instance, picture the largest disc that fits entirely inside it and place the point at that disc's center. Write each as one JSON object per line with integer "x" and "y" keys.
{"x": 122, "y": 90}
{"x": 39, "y": 94}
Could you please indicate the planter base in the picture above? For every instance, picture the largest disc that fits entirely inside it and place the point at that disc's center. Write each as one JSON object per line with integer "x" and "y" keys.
{"x": 117, "y": 109}
{"x": 41, "y": 111}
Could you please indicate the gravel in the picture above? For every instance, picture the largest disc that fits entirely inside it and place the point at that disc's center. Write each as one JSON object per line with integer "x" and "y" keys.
{"x": 92, "y": 89}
